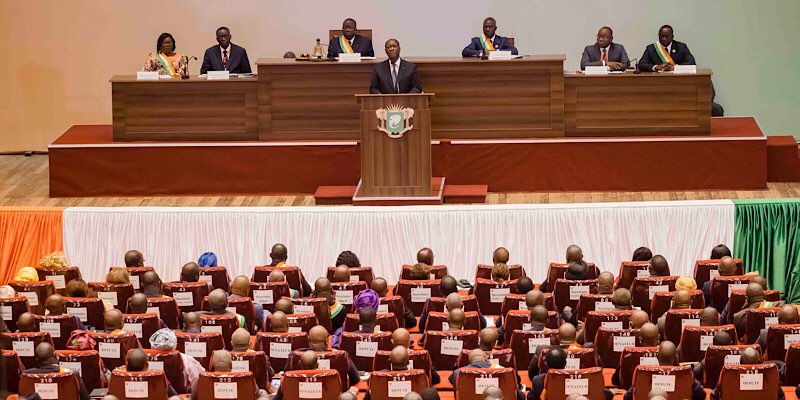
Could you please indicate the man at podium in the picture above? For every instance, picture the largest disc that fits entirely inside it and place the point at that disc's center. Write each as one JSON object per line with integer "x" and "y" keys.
{"x": 349, "y": 42}
{"x": 226, "y": 56}
{"x": 488, "y": 41}
{"x": 605, "y": 52}
{"x": 664, "y": 54}
{"x": 395, "y": 75}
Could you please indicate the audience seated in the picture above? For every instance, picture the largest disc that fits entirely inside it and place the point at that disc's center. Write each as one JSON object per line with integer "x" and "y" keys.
{"x": 134, "y": 259}
{"x": 323, "y": 289}
{"x": 279, "y": 254}
{"x": 574, "y": 255}
{"x": 240, "y": 288}
{"x": 381, "y": 287}
{"x": 448, "y": 286}
{"x": 318, "y": 342}
{"x": 667, "y": 356}
{"x": 136, "y": 361}
{"x": 165, "y": 340}
{"x": 46, "y": 363}
{"x": 755, "y": 299}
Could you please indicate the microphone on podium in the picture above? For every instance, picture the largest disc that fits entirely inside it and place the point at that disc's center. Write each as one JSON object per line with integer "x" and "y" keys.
{"x": 635, "y": 65}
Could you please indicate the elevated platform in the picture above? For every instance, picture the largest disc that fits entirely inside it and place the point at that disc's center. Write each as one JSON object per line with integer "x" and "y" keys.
{"x": 84, "y": 161}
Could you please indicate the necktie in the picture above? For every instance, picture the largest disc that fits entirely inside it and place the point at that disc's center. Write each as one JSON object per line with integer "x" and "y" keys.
{"x": 225, "y": 58}
{"x": 394, "y": 78}
{"x": 605, "y": 55}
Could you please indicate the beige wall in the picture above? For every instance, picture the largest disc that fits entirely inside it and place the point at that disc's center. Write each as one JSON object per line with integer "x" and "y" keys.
{"x": 60, "y": 54}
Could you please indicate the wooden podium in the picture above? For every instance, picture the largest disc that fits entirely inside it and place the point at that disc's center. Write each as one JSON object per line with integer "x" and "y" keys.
{"x": 396, "y": 151}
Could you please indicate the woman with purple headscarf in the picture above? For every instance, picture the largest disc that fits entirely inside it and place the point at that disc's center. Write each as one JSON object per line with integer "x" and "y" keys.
{"x": 364, "y": 299}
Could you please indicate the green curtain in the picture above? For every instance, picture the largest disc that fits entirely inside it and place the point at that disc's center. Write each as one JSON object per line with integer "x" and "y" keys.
{"x": 767, "y": 239}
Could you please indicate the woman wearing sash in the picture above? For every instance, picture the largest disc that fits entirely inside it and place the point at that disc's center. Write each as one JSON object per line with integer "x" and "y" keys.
{"x": 166, "y": 60}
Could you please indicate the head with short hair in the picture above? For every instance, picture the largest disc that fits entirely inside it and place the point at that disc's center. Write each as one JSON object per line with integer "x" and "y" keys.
{"x": 241, "y": 286}
{"x": 722, "y": 338}
{"x": 788, "y": 315}
{"x": 165, "y": 43}
{"x": 44, "y": 353}
{"x": 685, "y": 283}
{"x": 667, "y": 352}
{"x": 420, "y": 272}
{"x": 709, "y": 317}
{"x": 539, "y": 315}
{"x": 642, "y": 254}
{"x": 323, "y": 289}
{"x": 347, "y": 395}
{"x": 574, "y": 254}
{"x": 576, "y": 271}
{"x": 425, "y": 256}
{"x": 221, "y": 361}
{"x": 398, "y": 358}
{"x": 489, "y": 27}
{"x": 605, "y": 283}
{"x": 456, "y": 319}
{"x": 524, "y": 284}
{"x": 240, "y": 340}
{"x": 638, "y": 318}
{"x": 190, "y": 272}
{"x": 223, "y": 37}
{"x": 665, "y": 35}
{"x": 555, "y": 358}
{"x": 500, "y": 272}
{"x": 309, "y": 360}
{"x": 380, "y": 286}
{"x": 412, "y": 396}
{"x": 341, "y": 274}
{"x": 500, "y": 255}
{"x": 348, "y": 259}
{"x": 659, "y": 266}
{"x": 279, "y": 322}
{"x": 26, "y": 322}
{"x": 657, "y": 392}
{"x": 137, "y": 304}
{"x": 285, "y": 305}
{"x": 278, "y": 253}
{"x": 605, "y": 36}
{"x": 492, "y": 393}
{"x": 349, "y": 28}
{"x": 136, "y": 360}
{"x": 134, "y": 258}
{"x": 453, "y": 301}
{"x": 207, "y": 259}
{"x": 118, "y": 275}
{"x": 621, "y": 299}
{"x": 113, "y": 319}
{"x": 77, "y": 288}
{"x": 55, "y": 305}
{"x": 150, "y": 283}
{"x": 649, "y": 335}
{"x": 488, "y": 338}
{"x": 448, "y": 285}
{"x": 276, "y": 275}
{"x": 534, "y": 298}
{"x": 318, "y": 338}
{"x": 682, "y": 299}
{"x": 217, "y": 301}
{"x": 759, "y": 280}
{"x": 749, "y": 357}
{"x": 754, "y": 293}
{"x": 727, "y": 266}
{"x": 367, "y": 317}
{"x": 720, "y": 251}
{"x": 476, "y": 355}
{"x": 567, "y": 334}
{"x": 401, "y": 337}
{"x": 290, "y": 54}
{"x": 428, "y": 393}
{"x": 191, "y": 321}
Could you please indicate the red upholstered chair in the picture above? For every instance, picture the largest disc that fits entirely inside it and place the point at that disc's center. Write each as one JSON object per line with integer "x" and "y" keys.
{"x": 792, "y": 369}
{"x": 695, "y": 340}
{"x": 135, "y": 273}
{"x": 128, "y": 385}
{"x": 200, "y": 345}
{"x": 115, "y": 293}
{"x": 662, "y": 301}
{"x": 610, "y": 319}
{"x": 59, "y": 326}
{"x": 419, "y": 359}
{"x": 631, "y": 358}
{"x": 437, "y": 272}
{"x": 222, "y": 323}
{"x": 362, "y": 347}
{"x": 56, "y": 385}
{"x": 414, "y": 293}
{"x": 704, "y": 270}
{"x": 444, "y": 347}
{"x": 322, "y": 384}
{"x": 278, "y": 346}
{"x": 717, "y": 356}
{"x": 113, "y": 348}
{"x": 11, "y": 308}
{"x": 216, "y": 277}
{"x": 518, "y": 319}
{"x": 629, "y": 270}
{"x": 593, "y": 302}
{"x": 226, "y": 385}
{"x": 490, "y": 294}
{"x": 515, "y": 271}
{"x": 337, "y": 360}
{"x": 166, "y": 308}
{"x": 675, "y": 321}
{"x": 318, "y": 306}
{"x": 646, "y": 377}
{"x": 756, "y": 320}
{"x": 356, "y": 274}
{"x": 590, "y": 383}
{"x": 242, "y": 306}
{"x": 346, "y": 292}
{"x": 576, "y": 359}
{"x": 524, "y": 344}
{"x": 60, "y": 276}
{"x": 24, "y": 344}
{"x": 437, "y": 321}
{"x": 188, "y": 295}
{"x": 395, "y": 305}
{"x": 557, "y": 271}
{"x": 267, "y": 293}
{"x": 471, "y": 382}
{"x": 249, "y": 361}
{"x": 610, "y": 343}
{"x": 293, "y": 277}
{"x": 171, "y": 362}
{"x": 143, "y": 325}
{"x": 297, "y": 322}
{"x": 89, "y": 310}
{"x": 516, "y": 301}
{"x": 386, "y": 322}
{"x": 12, "y": 367}
{"x": 568, "y": 292}
{"x": 502, "y": 357}
{"x": 394, "y": 385}
{"x": 737, "y": 300}
{"x": 469, "y": 300}
{"x": 36, "y": 293}
{"x": 778, "y": 339}
{"x": 644, "y": 288}
{"x": 745, "y": 381}
{"x": 721, "y": 287}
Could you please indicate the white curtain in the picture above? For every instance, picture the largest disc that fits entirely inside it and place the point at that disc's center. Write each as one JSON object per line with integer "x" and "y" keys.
{"x": 387, "y": 237}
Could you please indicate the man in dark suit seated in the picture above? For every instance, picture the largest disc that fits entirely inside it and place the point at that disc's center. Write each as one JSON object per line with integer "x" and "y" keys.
{"x": 395, "y": 75}
{"x": 349, "y": 42}
{"x": 46, "y": 363}
{"x": 488, "y": 41}
{"x": 664, "y": 54}
{"x": 226, "y": 57}
{"x": 605, "y": 52}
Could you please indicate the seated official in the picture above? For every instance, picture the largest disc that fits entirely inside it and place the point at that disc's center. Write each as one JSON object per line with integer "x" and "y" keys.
{"x": 605, "y": 52}
{"x": 350, "y": 42}
{"x": 166, "y": 60}
{"x": 395, "y": 75}
{"x": 226, "y": 57}
{"x": 664, "y": 54}
{"x": 488, "y": 41}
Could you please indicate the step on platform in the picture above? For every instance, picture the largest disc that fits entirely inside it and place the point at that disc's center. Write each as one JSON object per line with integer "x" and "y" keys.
{"x": 441, "y": 193}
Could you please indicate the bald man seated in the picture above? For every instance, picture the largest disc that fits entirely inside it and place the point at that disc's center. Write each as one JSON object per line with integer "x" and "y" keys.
{"x": 47, "y": 363}
{"x": 720, "y": 338}
{"x": 681, "y": 300}
{"x": 650, "y": 337}
{"x": 668, "y": 356}
{"x": 222, "y": 362}
{"x": 341, "y": 274}
{"x": 241, "y": 288}
{"x": 318, "y": 342}
{"x": 279, "y": 254}
{"x": 26, "y": 323}
{"x": 477, "y": 359}
{"x": 138, "y": 305}
{"x": 192, "y": 323}
{"x": 749, "y": 357}
{"x": 398, "y": 361}
{"x": 190, "y": 272}
{"x": 754, "y": 294}
{"x": 401, "y": 337}
{"x": 605, "y": 285}
{"x": 278, "y": 276}
{"x": 381, "y": 287}
{"x": 136, "y": 361}
{"x": 324, "y": 290}
{"x": 218, "y": 305}
{"x": 425, "y": 256}
{"x": 114, "y": 322}
{"x": 55, "y": 305}
{"x": 134, "y": 258}
{"x": 554, "y": 358}
{"x": 788, "y": 315}
{"x": 573, "y": 255}
{"x": 150, "y": 285}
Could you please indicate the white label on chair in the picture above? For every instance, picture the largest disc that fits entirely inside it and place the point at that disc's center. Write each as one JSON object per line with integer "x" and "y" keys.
{"x": 736, "y": 286}
{"x": 573, "y": 363}
{"x": 263, "y": 297}
{"x": 523, "y": 306}
{"x": 367, "y": 349}
{"x": 24, "y": 349}
{"x": 210, "y": 328}
{"x": 496, "y": 295}
{"x": 110, "y": 297}
{"x": 534, "y": 343}
{"x": 789, "y": 339}
{"x": 8, "y": 315}
{"x": 751, "y": 382}
{"x": 482, "y": 383}
{"x": 109, "y": 350}
{"x": 576, "y": 386}
{"x": 46, "y": 390}
{"x": 54, "y": 328}
{"x": 733, "y": 359}
{"x": 344, "y": 296}
{"x": 154, "y": 310}
{"x": 770, "y": 321}
{"x": 58, "y": 281}
{"x": 383, "y": 309}
{"x": 155, "y": 365}
{"x": 280, "y": 350}
{"x": 451, "y": 347}
{"x": 71, "y": 365}
{"x": 705, "y": 341}
{"x": 420, "y": 294}
{"x": 135, "y": 282}
{"x": 611, "y": 324}
{"x": 303, "y": 309}
{"x": 183, "y": 299}
{"x": 295, "y": 329}
{"x": 689, "y": 322}
{"x": 655, "y": 289}
{"x": 324, "y": 363}
{"x": 712, "y": 273}
{"x": 207, "y": 279}
{"x": 604, "y": 306}
{"x": 526, "y": 326}
{"x": 195, "y": 349}
{"x": 354, "y": 278}
{"x": 492, "y": 361}
{"x": 136, "y": 390}
{"x": 575, "y": 292}
{"x": 445, "y": 326}
{"x": 231, "y": 310}
{"x": 620, "y": 342}
{"x": 33, "y": 299}
{"x": 411, "y": 364}
{"x": 79, "y": 312}
{"x": 240, "y": 366}
{"x": 643, "y": 272}
{"x": 399, "y": 388}
{"x": 225, "y": 390}
{"x": 310, "y": 390}
{"x": 653, "y": 361}
{"x": 134, "y": 327}
{"x": 666, "y": 382}
{"x": 432, "y": 277}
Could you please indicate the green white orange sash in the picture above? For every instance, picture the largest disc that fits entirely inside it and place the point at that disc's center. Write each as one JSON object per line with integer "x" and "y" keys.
{"x": 345, "y": 45}
{"x": 166, "y": 64}
{"x": 486, "y": 43}
{"x": 241, "y": 320}
{"x": 336, "y": 308}
{"x": 663, "y": 53}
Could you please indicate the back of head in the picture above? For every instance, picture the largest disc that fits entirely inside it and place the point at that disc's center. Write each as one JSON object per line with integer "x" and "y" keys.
{"x": 666, "y": 353}
{"x": 77, "y": 288}
{"x": 524, "y": 284}
{"x": 412, "y": 396}
{"x": 720, "y": 251}
{"x": 401, "y": 337}
{"x": 750, "y": 357}
{"x": 754, "y": 293}
{"x": 657, "y": 392}
{"x": 137, "y": 304}
{"x": 118, "y": 275}
{"x": 367, "y": 316}
{"x": 488, "y": 338}
{"x": 345, "y": 395}
{"x": 26, "y": 322}
{"x": 685, "y": 283}
{"x": 285, "y": 305}
{"x": 682, "y": 299}
{"x": 276, "y": 275}
{"x": 453, "y": 301}
{"x": 136, "y": 360}
{"x": 476, "y": 355}
{"x": 398, "y": 358}
{"x": 429, "y": 393}
{"x": 500, "y": 255}
{"x": 425, "y": 256}
{"x": 348, "y": 259}
{"x": 207, "y": 259}
{"x": 577, "y": 271}
{"x": 492, "y": 393}
{"x": 221, "y": 360}
{"x": 500, "y": 272}
{"x": 341, "y": 274}
{"x": 621, "y": 299}
{"x": 318, "y": 338}
{"x": 55, "y": 304}
{"x": 448, "y": 285}
{"x": 788, "y": 315}
{"x": 240, "y": 340}
{"x": 638, "y": 319}
{"x": 279, "y": 322}
{"x": 605, "y": 283}
{"x": 279, "y": 253}
{"x": 149, "y": 282}
{"x": 309, "y": 360}
{"x": 649, "y": 334}
{"x": 722, "y": 338}
{"x": 727, "y": 266}
{"x": 555, "y": 358}
{"x": 456, "y": 319}
{"x": 534, "y": 298}
{"x": 574, "y": 254}
{"x": 709, "y": 317}
{"x": 240, "y": 286}
{"x": 539, "y": 315}
{"x": 420, "y": 271}
{"x": 44, "y": 353}
{"x": 190, "y": 272}
{"x": 380, "y": 286}
{"x": 134, "y": 258}
{"x": 191, "y": 321}
{"x": 759, "y": 280}
{"x": 113, "y": 319}
{"x": 567, "y": 334}
{"x": 659, "y": 266}
{"x": 218, "y": 301}
{"x": 642, "y": 254}
{"x": 322, "y": 288}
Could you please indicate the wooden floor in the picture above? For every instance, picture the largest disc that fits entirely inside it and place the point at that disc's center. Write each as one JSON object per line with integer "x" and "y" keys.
{"x": 24, "y": 182}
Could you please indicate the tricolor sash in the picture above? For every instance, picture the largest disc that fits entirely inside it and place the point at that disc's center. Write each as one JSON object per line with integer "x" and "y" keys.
{"x": 336, "y": 308}
{"x": 345, "y": 45}
{"x": 486, "y": 43}
{"x": 241, "y": 320}
{"x": 166, "y": 64}
{"x": 663, "y": 54}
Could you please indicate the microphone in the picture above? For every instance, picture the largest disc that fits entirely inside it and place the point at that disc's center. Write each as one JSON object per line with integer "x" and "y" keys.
{"x": 636, "y": 66}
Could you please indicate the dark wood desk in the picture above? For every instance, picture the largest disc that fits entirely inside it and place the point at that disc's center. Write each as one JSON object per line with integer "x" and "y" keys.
{"x": 649, "y": 103}
{"x": 184, "y": 109}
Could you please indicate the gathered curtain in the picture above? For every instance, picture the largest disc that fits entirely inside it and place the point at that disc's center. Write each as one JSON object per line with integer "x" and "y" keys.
{"x": 27, "y": 234}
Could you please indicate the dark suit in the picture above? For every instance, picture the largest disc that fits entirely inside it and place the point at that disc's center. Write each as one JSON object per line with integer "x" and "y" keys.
{"x": 238, "y": 63}
{"x": 680, "y": 54}
{"x": 592, "y": 57}
{"x": 53, "y": 368}
{"x": 407, "y": 79}
{"x": 361, "y": 44}
{"x": 475, "y": 48}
